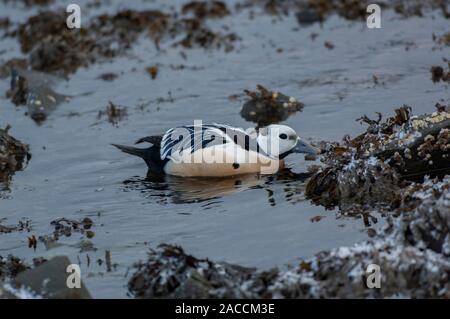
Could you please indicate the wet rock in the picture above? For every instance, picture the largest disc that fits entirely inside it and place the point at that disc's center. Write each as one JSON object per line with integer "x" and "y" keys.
{"x": 169, "y": 272}
{"x": 268, "y": 107}
{"x": 49, "y": 280}
{"x": 372, "y": 177}
{"x": 423, "y": 150}
{"x": 40, "y": 26}
{"x": 33, "y": 89}
{"x": 322, "y": 188}
{"x": 412, "y": 253}
{"x": 317, "y": 10}
{"x": 54, "y": 48}
{"x": 386, "y": 156}
{"x": 13, "y": 155}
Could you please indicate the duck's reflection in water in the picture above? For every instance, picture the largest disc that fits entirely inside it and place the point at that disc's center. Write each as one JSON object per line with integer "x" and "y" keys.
{"x": 178, "y": 190}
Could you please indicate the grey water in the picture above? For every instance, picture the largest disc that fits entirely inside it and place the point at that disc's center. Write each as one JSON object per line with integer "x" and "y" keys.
{"x": 259, "y": 222}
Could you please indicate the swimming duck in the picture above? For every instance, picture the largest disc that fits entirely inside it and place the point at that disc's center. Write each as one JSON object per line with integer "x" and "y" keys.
{"x": 219, "y": 150}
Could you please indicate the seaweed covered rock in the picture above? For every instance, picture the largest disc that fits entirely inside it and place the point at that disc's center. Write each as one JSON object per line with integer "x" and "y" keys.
{"x": 52, "y": 47}
{"x": 268, "y": 107}
{"x": 412, "y": 252}
{"x": 317, "y": 10}
{"x": 170, "y": 272}
{"x": 390, "y": 152}
{"x": 13, "y": 155}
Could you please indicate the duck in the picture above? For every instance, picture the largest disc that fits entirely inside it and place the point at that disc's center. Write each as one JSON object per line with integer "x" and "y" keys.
{"x": 217, "y": 150}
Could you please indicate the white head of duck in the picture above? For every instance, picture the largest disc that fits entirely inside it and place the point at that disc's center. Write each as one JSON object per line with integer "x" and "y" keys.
{"x": 281, "y": 140}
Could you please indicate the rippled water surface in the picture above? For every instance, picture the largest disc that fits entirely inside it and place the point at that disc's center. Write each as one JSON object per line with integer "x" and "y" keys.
{"x": 262, "y": 222}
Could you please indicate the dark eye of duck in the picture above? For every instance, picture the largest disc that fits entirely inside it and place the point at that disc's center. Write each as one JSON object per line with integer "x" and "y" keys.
{"x": 283, "y": 136}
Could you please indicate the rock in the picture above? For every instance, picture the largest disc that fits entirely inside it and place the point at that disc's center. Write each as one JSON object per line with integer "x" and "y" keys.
{"x": 54, "y": 48}
{"x": 13, "y": 155}
{"x": 412, "y": 252}
{"x": 33, "y": 89}
{"x": 49, "y": 280}
{"x": 170, "y": 273}
{"x": 267, "y": 107}
{"x": 387, "y": 156}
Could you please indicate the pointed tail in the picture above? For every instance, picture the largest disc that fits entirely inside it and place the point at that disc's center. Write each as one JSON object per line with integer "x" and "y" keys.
{"x": 144, "y": 153}
{"x": 149, "y": 155}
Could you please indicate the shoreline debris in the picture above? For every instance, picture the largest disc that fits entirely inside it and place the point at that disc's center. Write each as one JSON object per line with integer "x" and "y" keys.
{"x": 113, "y": 113}
{"x": 438, "y": 73}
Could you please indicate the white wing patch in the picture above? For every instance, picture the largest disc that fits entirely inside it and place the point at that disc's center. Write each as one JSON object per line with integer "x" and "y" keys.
{"x": 179, "y": 140}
